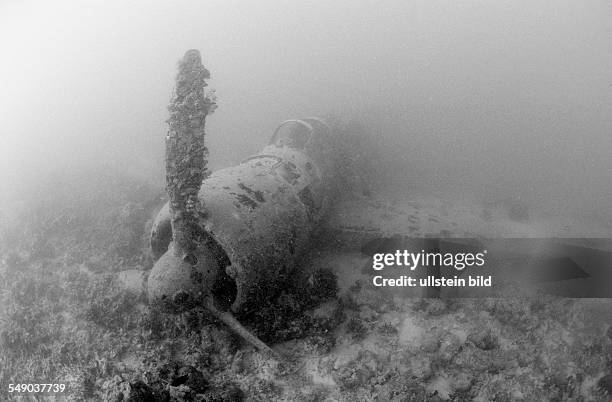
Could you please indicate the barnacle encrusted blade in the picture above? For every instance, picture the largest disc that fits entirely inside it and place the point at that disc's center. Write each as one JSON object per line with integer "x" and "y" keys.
{"x": 172, "y": 282}
{"x": 186, "y": 154}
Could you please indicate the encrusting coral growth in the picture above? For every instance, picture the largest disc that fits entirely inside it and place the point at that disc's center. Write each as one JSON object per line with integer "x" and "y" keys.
{"x": 185, "y": 150}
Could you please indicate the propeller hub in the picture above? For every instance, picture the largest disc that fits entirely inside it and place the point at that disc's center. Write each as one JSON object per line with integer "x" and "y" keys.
{"x": 177, "y": 284}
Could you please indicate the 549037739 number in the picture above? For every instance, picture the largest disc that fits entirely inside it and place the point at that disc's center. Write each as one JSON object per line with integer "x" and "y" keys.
{"x": 36, "y": 388}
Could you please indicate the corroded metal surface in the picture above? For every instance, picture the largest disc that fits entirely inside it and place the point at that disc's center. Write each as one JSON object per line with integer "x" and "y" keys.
{"x": 263, "y": 211}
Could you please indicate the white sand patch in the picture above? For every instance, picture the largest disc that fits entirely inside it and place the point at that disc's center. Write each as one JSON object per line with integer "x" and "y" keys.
{"x": 411, "y": 332}
{"x": 441, "y": 385}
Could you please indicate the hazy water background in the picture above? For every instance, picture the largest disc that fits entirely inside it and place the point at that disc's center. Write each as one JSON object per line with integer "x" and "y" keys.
{"x": 504, "y": 98}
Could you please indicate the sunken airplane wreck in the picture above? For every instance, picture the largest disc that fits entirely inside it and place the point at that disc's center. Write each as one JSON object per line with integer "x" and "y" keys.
{"x": 259, "y": 217}
{"x": 225, "y": 242}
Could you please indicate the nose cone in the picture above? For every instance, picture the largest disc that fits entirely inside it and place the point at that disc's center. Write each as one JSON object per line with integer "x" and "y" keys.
{"x": 176, "y": 285}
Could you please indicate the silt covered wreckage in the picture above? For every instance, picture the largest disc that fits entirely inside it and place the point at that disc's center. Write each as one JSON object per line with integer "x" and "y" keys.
{"x": 259, "y": 216}
{"x": 228, "y": 240}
